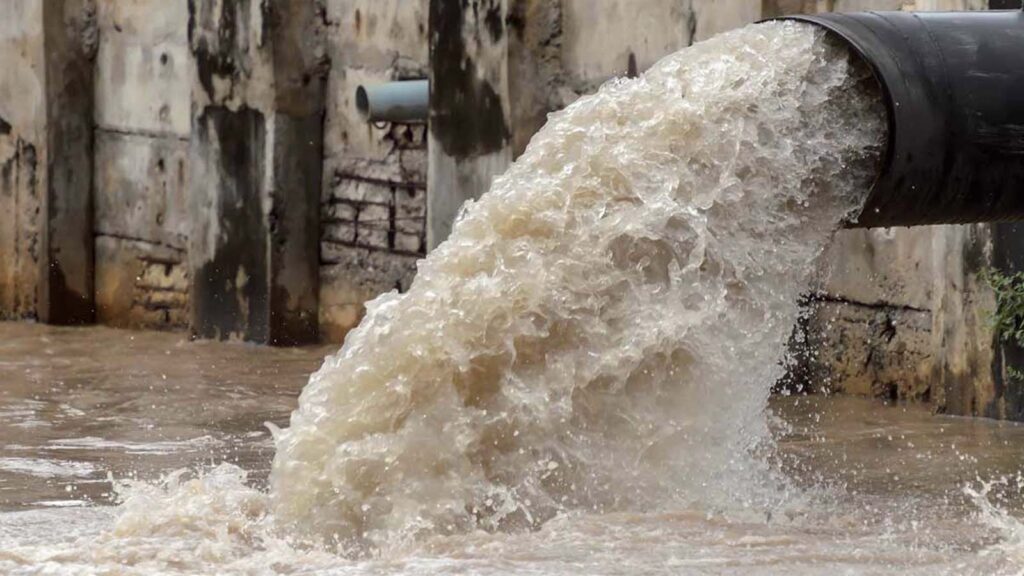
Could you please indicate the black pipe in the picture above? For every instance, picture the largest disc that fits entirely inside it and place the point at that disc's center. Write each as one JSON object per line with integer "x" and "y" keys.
{"x": 954, "y": 88}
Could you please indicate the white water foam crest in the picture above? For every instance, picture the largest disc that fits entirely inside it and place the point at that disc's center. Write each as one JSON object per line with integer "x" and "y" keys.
{"x": 206, "y": 522}
{"x": 602, "y": 328}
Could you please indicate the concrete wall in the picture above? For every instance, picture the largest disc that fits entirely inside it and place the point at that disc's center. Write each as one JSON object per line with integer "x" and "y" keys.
{"x": 141, "y": 169}
{"x": 46, "y": 249}
{"x": 373, "y": 205}
{"x": 256, "y": 157}
{"x": 22, "y": 134}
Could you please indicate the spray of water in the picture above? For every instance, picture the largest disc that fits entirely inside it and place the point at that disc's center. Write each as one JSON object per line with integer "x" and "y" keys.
{"x": 989, "y": 498}
{"x": 602, "y": 328}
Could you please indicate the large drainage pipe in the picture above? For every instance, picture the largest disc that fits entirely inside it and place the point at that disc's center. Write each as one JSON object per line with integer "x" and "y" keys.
{"x": 953, "y": 84}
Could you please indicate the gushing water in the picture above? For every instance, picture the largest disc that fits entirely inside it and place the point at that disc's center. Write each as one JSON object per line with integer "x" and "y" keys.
{"x": 577, "y": 380}
{"x": 602, "y": 328}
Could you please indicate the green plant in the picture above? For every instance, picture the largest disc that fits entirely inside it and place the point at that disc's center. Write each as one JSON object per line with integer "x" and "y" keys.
{"x": 1014, "y": 374}
{"x": 1008, "y": 317}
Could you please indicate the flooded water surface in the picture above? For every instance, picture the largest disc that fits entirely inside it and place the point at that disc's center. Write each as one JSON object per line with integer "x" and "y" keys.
{"x": 881, "y": 487}
{"x": 79, "y": 405}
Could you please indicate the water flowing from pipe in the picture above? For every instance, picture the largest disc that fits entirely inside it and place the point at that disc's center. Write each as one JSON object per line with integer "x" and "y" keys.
{"x": 602, "y": 329}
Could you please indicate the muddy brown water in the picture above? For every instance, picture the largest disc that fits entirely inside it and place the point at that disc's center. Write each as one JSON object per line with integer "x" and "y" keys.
{"x": 81, "y": 406}
{"x": 77, "y": 405}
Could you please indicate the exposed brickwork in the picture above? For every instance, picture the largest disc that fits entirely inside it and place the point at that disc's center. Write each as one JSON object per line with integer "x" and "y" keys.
{"x": 381, "y": 205}
{"x": 373, "y": 205}
{"x": 145, "y": 285}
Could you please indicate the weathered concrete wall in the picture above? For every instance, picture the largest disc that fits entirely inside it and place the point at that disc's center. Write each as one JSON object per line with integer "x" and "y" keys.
{"x": 22, "y": 133}
{"x": 964, "y": 379}
{"x": 870, "y": 319}
{"x": 471, "y": 126}
{"x": 715, "y": 16}
{"x": 46, "y": 251}
{"x": 66, "y": 283}
{"x": 374, "y": 201}
{"x": 141, "y": 172}
{"x": 606, "y": 38}
{"x": 256, "y": 161}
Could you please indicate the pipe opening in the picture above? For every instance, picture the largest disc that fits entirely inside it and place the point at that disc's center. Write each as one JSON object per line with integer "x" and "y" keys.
{"x": 363, "y": 103}
{"x": 955, "y": 141}
{"x": 402, "y": 101}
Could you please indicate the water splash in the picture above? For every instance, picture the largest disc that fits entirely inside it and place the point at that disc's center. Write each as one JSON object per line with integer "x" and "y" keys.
{"x": 989, "y": 499}
{"x": 602, "y": 328}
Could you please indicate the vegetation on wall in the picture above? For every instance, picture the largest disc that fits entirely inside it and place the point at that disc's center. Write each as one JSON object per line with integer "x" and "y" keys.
{"x": 1008, "y": 317}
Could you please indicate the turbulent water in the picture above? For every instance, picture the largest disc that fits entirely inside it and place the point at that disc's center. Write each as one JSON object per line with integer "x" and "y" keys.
{"x": 577, "y": 380}
{"x": 602, "y": 328}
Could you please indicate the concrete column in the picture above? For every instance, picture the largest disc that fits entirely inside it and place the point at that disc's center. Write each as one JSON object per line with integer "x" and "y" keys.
{"x": 22, "y": 135}
{"x": 256, "y": 156}
{"x": 140, "y": 174}
{"x": 66, "y": 285}
{"x": 469, "y": 140}
{"x": 46, "y": 245}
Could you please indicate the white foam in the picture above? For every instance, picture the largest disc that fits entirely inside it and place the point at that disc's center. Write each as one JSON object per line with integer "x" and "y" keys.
{"x": 44, "y": 468}
{"x": 602, "y": 328}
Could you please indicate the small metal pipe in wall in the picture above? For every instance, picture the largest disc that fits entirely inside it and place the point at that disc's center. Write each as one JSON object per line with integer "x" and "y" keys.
{"x": 404, "y": 102}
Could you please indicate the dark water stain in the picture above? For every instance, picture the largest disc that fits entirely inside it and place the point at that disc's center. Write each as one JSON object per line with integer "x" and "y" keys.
{"x": 68, "y": 307}
{"x": 467, "y": 118}
{"x": 294, "y": 222}
{"x": 218, "y": 46}
{"x": 230, "y": 291}
{"x": 493, "y": 22}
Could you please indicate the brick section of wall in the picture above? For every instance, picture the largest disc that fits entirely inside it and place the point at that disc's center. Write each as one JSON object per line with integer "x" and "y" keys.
{"x": 373, "y": 206}
{"x": 366, "y": 207}
{"x": 144, "y": 284}
{"x": 373, "y": 230}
